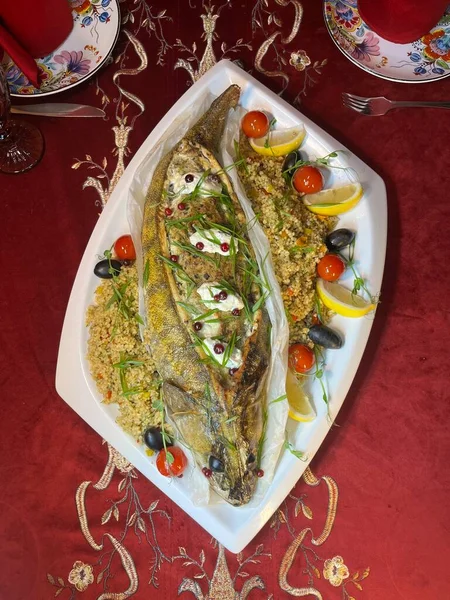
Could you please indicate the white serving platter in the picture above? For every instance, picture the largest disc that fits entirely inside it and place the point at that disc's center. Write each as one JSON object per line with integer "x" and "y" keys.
{"x": 231, "y": 526}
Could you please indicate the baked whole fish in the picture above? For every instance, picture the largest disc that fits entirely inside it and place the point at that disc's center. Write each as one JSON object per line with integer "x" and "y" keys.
{"x": 206, "y": 325}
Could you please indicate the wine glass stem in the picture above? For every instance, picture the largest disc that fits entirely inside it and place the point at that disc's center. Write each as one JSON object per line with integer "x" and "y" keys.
{"x": 5, "y": 104}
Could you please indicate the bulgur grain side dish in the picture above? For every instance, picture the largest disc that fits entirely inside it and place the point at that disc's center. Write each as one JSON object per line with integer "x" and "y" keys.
{"x": 119, "y": 363}
{"x": 295, "y": 234}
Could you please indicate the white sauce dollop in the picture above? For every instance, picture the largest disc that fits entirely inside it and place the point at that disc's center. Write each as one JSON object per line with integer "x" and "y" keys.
{"x": 235, "y": 359}
{"x": 207, "y": 291}
{"x": 210, "y": 184}
{"x": 208, "y": 237}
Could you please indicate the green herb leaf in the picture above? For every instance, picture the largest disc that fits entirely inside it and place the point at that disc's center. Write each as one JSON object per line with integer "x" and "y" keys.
{"x": 279, "y": 399}
{"x": 146, "y": 273}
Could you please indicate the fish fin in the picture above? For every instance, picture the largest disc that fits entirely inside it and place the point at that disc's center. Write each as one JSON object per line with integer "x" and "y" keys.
{"x": 188, "y": 416}
{"x": 208, "y": 130}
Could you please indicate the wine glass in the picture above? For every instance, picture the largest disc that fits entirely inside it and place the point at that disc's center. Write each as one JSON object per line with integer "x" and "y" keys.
{"x": 21, "y": 144}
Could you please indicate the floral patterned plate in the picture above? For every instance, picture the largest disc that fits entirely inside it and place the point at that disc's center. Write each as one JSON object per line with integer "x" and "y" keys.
{"x": 427, "y": 59}
{"x": 94, "y": 34}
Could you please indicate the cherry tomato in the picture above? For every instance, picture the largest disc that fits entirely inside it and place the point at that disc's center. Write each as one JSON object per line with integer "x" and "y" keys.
{"x": 255, "y": 124}
{"x": 176, "y": 467}
{"x": 124, "y": 248}
{"x": 307, "y": 180}
{"x": 330, "y": 267}
{"x": 301, "y": 358}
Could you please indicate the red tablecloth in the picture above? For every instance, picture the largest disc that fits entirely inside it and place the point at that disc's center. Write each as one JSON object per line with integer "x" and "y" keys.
{"x": 371, "y": 516}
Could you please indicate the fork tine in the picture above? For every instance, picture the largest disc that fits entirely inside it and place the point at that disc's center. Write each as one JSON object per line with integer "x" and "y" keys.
{"x": 350, "y": 100}
{"x": 355, "y": 97}
{"x": 351, "y": 104}
{"x": 359, "y": 109}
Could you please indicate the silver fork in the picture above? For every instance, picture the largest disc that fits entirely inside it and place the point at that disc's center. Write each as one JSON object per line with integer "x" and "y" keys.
{"x": 375, "y": 107}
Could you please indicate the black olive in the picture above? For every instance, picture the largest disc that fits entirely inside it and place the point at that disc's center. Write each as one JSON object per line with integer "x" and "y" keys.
{"x": 216, "y": 465}
{"x": 189, "y": 178}
{"x": 339, "y": 238}
{"x": 326, "y": 337}
{"x": 154, "y": 440}
{"x": 291, "y": 159}
{"x": 101, "y": 269}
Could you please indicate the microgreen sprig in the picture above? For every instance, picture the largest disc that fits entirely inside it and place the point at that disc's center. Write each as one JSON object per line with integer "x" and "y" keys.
{"x": 241, "y": 160}
{"x": 271, "y": 126}
{"x": 159, "y": 406}
{"x": 358, "y": 282}
{"x": 290, "y": 448}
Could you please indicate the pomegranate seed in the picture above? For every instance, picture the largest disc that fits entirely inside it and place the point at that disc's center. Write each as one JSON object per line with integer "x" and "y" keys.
{"x": 182, "y": 206}
{"x": 174, "y": 258}
{"x": 206, "y": 472}
{"x": 224, "y": 247}
{"x": 198, "y": 326}
{"x": 232, "y": 371}
{"x": 200, "y": 245}
{"x": 260, "y": 473}
{"x": 235, "y": 312}
{"x": 217, "y": 297}
{"x": 168, "y": 211}
{"x": 223, "y": 295}
{"x": 219, "y": 348}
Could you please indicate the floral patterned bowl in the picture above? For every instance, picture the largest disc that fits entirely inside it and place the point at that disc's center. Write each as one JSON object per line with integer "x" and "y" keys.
{"x": 94, "y": 34}
{"x": 427, "y": 59}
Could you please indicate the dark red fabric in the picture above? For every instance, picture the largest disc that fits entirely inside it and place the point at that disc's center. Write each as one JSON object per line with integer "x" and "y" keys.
{"x": 390, "y": 454}
{"x": 40, "y": 27}
{"x": 401, "y": 21}
{"x": 20, "y": 56}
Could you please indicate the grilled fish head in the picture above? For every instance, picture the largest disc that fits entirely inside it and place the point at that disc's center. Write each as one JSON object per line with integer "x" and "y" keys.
{"x": 225, "y": 442}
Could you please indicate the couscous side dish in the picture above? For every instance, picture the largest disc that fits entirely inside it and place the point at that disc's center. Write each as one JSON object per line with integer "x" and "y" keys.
{"x": 296, "y": 237}
{"x": 119, "y": 363}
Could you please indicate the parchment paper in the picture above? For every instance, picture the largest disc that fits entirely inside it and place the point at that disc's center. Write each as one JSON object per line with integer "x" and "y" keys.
{"x": 194, "y": 484}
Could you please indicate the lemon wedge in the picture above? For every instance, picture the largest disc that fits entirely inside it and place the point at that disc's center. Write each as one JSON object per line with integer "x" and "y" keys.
{"x": 300, "y": 408}
{"x": 334, "y": 201}
{"x": 279, "y": 142}
{"x": 342, "y": 301}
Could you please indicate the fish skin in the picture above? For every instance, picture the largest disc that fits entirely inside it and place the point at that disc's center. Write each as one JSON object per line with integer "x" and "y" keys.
{"x": 212, "y": 419}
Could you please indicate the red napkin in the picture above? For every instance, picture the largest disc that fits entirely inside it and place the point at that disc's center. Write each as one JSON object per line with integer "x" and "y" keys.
{"x": 40, "y": 27}
{"x": 401, "y": 21}
{"x": 23, "y": 60}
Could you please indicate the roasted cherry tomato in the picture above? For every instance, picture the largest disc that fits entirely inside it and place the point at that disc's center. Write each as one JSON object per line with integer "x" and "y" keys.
{"x": 176, "y": 467}
{"x": 301, "y": 358}
{"x": 307, "y": 180}
{"x": 330, "y": 267}
{"x": 124, "y": 248}
{"x": 255, "y": 124}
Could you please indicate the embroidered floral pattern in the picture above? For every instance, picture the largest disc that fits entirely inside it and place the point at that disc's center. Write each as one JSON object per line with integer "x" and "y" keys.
{"x": 335, "y": 571}
{"x": 81, "y": 575}
{"x": 299, "y": 60}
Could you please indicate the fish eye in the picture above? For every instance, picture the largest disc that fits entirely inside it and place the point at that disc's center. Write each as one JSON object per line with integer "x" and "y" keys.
{"x": 216, "y": 465}
{"x": 251, "y": 459}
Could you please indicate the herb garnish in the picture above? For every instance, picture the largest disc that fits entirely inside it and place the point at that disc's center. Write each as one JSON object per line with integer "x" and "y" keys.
{"x": 358, "y": 282}
{"x": 180, "y": 272}
{"x": 241, "y": 160}
{"x": 297, "y": 453}
{"x": 271, "y": 125}
{"x": 159, "y": 405}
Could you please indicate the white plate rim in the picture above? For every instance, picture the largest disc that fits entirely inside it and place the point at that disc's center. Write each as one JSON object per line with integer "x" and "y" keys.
{"x": 252, "y": 519}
